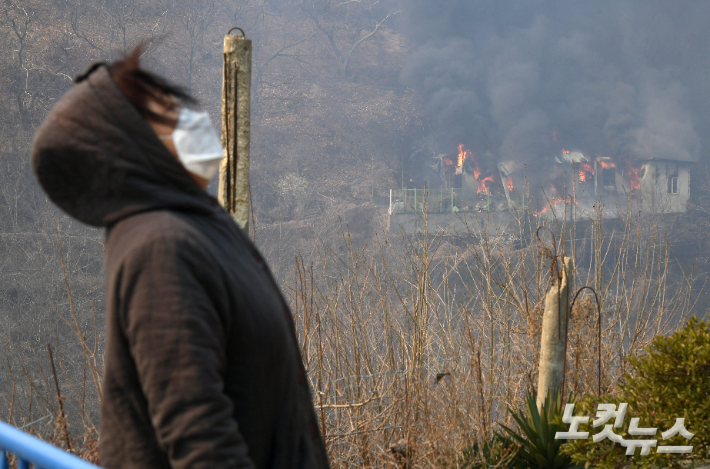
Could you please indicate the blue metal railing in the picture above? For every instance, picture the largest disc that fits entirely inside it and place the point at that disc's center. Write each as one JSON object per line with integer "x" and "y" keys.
{"x": 31, "y": 450}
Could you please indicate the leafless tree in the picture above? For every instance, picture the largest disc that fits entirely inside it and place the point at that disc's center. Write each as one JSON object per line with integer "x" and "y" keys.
{"x": 347, "y": 24}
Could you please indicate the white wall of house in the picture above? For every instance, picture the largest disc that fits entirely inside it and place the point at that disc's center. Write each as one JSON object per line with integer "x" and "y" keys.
{"x": 665, "y": 186}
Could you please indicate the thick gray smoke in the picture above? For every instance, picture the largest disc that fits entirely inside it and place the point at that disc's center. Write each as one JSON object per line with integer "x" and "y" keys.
{"x": 524, "y": 79}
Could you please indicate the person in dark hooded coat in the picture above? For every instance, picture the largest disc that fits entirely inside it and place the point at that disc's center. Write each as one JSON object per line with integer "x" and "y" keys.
{"x": 202, "y": 367}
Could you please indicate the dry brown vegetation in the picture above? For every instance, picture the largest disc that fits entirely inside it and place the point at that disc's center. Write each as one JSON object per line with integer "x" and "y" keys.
{"x": 416, "y": 346}
{"x": 423, "y": 344}
{"x": 325, "y": 136}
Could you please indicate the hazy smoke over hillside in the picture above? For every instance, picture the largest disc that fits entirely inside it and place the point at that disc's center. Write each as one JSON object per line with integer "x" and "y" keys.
{"x": 525, "y": 79}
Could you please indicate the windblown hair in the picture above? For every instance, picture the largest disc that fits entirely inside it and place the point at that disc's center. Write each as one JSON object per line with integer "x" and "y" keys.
{"x": 140, "y": 86}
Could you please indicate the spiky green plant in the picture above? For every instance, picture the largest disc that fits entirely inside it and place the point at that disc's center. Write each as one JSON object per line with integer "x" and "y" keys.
{"x": 491, "y": 454}
{"x": 536, "y": 435}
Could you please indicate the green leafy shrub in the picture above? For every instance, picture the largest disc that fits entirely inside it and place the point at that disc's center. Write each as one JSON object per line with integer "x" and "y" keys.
{"x": 671, "y": 380}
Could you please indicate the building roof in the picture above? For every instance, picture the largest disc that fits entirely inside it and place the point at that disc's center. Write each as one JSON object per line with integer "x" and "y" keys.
{"x": 571, "y": 157}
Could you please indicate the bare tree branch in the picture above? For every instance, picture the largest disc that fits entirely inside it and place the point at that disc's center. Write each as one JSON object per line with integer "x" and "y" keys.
{"x": 364, "y": 38}
{"x": 74, "y": 26}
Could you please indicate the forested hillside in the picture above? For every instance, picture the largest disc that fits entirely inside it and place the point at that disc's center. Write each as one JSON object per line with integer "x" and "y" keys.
{"x": 330, "y": 124}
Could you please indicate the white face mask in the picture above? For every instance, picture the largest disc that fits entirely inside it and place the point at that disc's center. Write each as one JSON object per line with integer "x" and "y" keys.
{"x": 196, "y": 143}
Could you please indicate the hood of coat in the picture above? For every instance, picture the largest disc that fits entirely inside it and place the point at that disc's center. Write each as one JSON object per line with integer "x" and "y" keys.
{"x": 99, "y": 160}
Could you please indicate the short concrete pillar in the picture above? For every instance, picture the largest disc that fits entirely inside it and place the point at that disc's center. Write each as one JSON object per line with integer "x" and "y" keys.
{"x": 554, "y": 331}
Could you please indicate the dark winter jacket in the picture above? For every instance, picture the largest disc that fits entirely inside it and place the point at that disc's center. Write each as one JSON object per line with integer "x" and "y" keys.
{"x": 202, "y": 368}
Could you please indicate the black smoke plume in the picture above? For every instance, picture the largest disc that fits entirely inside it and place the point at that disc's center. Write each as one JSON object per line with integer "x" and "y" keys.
{"x": 523, "y": 79}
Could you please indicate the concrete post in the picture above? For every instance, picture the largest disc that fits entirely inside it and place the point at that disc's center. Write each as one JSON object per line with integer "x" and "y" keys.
{"x": 554, "y": 332}
{"x": 236, "y": 114}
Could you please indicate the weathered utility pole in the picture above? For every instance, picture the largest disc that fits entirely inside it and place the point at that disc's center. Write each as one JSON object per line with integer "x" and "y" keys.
{"x": 234, "y": 193}
{"x": 554, "y": 333}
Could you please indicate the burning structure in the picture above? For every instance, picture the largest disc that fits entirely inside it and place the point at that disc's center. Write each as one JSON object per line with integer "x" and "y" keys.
{"x": 655, "y": 185}
{"x": 622, "y": 82}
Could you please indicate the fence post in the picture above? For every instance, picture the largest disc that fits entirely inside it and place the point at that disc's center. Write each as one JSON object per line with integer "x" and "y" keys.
{"x": 234, "y": 190}
{"x": 554, "y": 331}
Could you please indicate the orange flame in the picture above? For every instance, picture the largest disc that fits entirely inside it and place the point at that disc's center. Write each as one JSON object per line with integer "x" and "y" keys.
{"x": 482, "y": 184}
{"x": 634, "y": 177}
{"x": 476, "y": 171}
{"x": 509, "y": 183}
{"x": 556, "y": 200}
{"x": 565, "y": 151}
{"x": 607, "y": 164}
{"x": 463, "y": 154}
{"x": 585, "y": 168}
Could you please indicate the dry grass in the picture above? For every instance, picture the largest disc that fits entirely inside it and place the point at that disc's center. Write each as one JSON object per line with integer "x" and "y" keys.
{"x": 415, "y": 346}
{"x": 47, "y": 414}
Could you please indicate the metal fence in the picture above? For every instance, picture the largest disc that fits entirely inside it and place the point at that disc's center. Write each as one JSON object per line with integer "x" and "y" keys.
{"x": 436, "y": 200}
{"x": 31, "y": 450}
